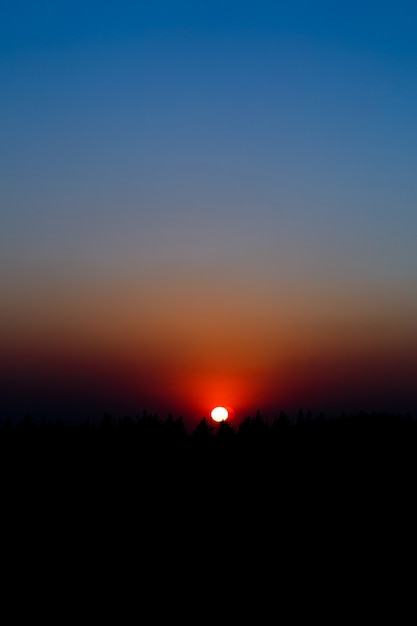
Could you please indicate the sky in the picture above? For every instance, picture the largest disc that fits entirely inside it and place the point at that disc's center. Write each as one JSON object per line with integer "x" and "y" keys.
{"x": 207, "y": 203}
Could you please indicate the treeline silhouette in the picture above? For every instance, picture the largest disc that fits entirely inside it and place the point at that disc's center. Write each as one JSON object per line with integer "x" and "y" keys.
{"x": 354, "y": 432}
{"x": 150, "y": 448}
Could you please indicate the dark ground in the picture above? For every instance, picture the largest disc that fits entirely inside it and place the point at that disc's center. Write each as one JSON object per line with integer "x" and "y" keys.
{"x": 313, "y": 504}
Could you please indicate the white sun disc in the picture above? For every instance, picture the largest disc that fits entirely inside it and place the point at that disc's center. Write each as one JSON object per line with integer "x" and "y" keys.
{"x": 219, "y": 414}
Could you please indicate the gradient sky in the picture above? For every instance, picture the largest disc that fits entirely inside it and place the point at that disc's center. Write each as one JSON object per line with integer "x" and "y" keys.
{"x": 207, "y": 203}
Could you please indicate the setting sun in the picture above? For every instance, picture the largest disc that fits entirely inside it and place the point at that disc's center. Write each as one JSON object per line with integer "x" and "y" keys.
{"x": 219, "y": 414}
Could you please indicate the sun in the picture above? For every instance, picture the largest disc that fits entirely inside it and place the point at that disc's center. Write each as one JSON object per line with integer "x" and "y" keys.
{"x": 219, "y": 414}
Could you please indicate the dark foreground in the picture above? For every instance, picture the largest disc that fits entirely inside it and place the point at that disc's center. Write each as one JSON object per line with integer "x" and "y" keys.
{"x": 314, "y": 474}
{"x": 216, "y": 508}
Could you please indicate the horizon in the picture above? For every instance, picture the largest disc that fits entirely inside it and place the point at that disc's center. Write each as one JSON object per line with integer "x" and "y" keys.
{"x": 191, "y": 422}
{"x": 256, "y": 424}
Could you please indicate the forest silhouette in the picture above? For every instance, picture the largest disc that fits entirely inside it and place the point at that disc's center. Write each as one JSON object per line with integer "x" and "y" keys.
{"x": 310, "y": 455}
{"x": 251, "y": 505}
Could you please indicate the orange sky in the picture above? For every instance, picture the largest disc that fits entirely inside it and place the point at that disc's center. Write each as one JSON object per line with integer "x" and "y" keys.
{"x": 187, "y": 345}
